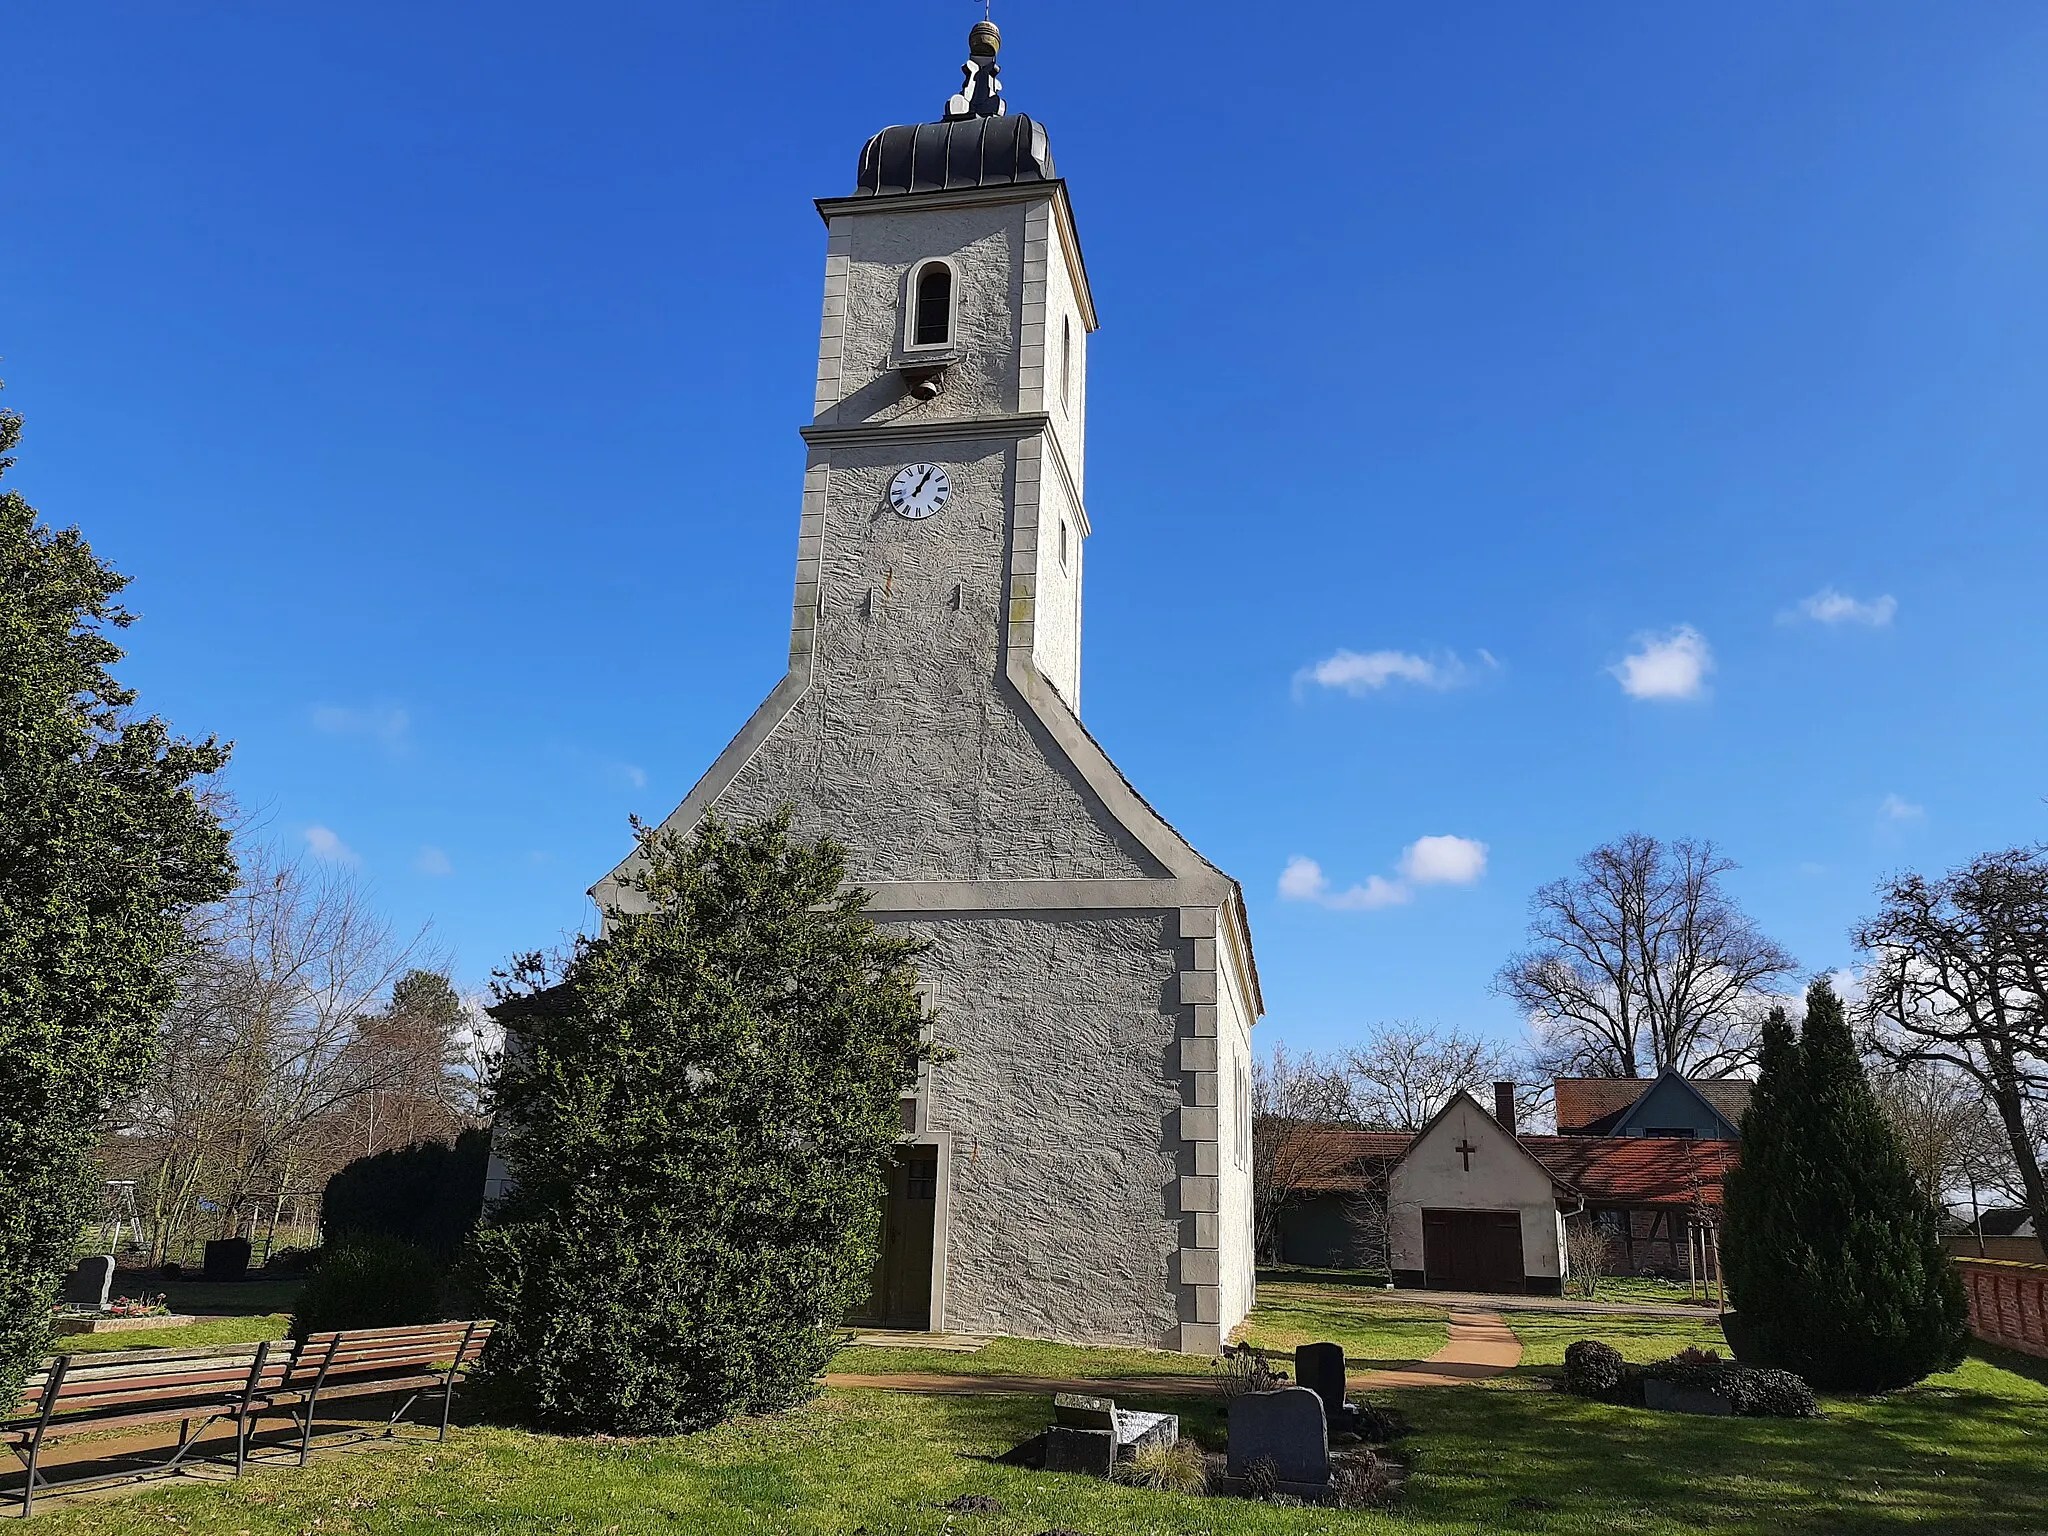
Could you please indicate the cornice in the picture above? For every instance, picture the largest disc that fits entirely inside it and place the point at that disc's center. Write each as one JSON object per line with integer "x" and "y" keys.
{"x": 862, "y": 433}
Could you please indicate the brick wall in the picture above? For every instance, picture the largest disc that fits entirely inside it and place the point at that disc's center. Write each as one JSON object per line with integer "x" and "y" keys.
{"x": 2008, "y": 1304}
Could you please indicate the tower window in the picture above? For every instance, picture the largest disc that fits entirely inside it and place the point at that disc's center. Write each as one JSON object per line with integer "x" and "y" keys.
{"x": 932, "y": 316}
{"x": 1063, "y": 544}
{"x": 1066, "y": 360}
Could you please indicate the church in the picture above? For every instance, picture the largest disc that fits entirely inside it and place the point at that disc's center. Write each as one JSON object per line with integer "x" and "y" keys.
{"x": 1079, "y": 1167}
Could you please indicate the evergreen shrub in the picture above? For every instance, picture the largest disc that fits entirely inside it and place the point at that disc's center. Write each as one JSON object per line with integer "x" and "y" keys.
{"x": 106, "y": 842}
{"x": 1832, "y": 1250}
{"x": 1593, "y": 1369}
{"x": 429, "y": 1193}
{"x": 370, "y": 1281}
{"x": 696, "y": 1116}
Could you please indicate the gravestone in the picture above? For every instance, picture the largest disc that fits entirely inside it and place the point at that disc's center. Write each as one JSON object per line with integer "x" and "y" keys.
{"x": 227, "y": 1258}
{"x": 1286, "y": 1429}
{"x": 88, "y": 1284}
{"x": 1083, "y": 1435}
{"x": 1089, "y": 1434}
{"x": 1320, "y": 1368}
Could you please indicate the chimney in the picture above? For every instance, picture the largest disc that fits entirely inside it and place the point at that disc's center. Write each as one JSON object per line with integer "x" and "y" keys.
{"x": 1504, "y": 1106}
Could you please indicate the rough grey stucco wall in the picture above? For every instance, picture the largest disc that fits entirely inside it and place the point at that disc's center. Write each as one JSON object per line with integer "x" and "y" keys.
{"x": 985, "y": 244}
{"x": 907, "y": 747}
{"x": 1065, "y": 1151}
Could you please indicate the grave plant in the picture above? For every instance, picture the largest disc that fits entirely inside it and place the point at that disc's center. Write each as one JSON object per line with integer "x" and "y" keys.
{"x": 696, "y": 1111}
{"x": 1833, "y": 1251}
{"x": 107, "y": 840}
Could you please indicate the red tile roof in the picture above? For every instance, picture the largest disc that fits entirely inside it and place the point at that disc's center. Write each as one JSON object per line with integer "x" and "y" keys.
{"x": 1607, "y": 1170}
{"x": 1637, "y": 1170}
{"x": 1583, "y": 1102}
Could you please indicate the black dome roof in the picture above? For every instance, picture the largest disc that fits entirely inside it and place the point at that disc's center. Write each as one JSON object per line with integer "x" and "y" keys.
{"x": 963, "y": 152}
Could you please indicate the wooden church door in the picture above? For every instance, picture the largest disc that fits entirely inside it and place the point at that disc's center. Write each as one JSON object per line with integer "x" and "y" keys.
{"x": 1472, "y": 1251}
{"x": 901, "y": 1295}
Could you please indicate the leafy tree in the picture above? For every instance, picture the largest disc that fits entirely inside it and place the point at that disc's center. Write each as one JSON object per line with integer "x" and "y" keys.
{"x": 105, "y": 843}
{"x": 696, "y": 1118}
{"x": 1832, "y": 1249}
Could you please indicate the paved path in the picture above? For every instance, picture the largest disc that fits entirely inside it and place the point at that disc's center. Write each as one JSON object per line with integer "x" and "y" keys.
{"x": 1481, "y": 1345}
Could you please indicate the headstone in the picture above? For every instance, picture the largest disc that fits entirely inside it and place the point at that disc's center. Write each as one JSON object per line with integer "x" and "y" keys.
{"x": 1681, "y": 1397}
{"x": 88, "y": 1284}
{"x": 1077, "y": 1411}
{"x": 1092, "y": 1451}
{"x": 1089, "y": 1434}
{"x": 1320, "y": 1368}
{"x": 227, "y": 1258}
{"x": 1284, "y": 1428}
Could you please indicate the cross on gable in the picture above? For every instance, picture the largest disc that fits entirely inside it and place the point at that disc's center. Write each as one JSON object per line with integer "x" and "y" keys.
{"x": 1465, "y": 1149}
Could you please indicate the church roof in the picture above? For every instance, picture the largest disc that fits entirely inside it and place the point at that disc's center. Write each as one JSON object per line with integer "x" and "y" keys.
{"x": 963, "y": 152}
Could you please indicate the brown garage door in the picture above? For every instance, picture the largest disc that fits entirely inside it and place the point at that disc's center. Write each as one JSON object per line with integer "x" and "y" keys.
{"x": 1472, "y": 1251}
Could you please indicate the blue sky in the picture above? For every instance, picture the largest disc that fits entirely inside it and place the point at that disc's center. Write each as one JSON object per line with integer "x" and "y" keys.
{"x": 435, "y": 370}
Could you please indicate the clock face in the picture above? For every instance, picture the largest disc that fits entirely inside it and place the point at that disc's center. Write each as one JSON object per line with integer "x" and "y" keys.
{"x": 919, "y": 490}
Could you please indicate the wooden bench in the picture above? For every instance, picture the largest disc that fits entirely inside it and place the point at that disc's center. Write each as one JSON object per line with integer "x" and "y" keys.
{"x": 422, "y": 1362}
{"x": 84, "y": 1394}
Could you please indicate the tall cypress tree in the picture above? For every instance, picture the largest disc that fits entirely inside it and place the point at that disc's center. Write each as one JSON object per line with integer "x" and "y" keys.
{"x": 103, "y": 846}
{"x": 1834, "y": 1255}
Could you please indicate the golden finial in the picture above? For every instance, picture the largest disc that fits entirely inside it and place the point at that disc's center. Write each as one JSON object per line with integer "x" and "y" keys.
{"x": 985, "y": 41}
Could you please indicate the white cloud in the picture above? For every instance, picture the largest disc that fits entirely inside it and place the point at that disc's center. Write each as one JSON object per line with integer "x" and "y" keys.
{"x": 1670, "y": 666}
{"x": 637, "y": 777}
{"x": 1443, "y": 861}
{"x": 1378, "y": 891}
{"x": 432, "y": 861}
{"x": 1827, "y": 606}
{"x": 1427, "y": 861}
{"x": 386, "y": 724}
{"x": 1899, "y": 808}
{"x": 328, "y": 848}
{"x": 1359, "y": 675}
{"x": 1302, "y": 880}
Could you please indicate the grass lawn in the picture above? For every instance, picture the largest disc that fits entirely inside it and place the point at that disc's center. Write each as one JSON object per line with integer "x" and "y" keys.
{"x": 1372, "y": 1331}
{"x": 217, "y": 1330}
{"x": 1965, "y": 1453}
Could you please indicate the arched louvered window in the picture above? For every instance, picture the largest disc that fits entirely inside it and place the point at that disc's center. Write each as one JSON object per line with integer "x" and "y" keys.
{"x": 931, "y": 321}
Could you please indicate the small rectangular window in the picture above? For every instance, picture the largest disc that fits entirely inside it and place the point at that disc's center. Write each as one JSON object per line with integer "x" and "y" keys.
{"x": 1063, "y": 544}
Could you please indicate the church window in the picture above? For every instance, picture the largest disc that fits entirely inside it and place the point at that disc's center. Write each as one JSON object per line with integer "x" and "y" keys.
{"x": 931, "y": 320}
{"x": 1066, "y": 361}
{"x": 1063, "y": 544}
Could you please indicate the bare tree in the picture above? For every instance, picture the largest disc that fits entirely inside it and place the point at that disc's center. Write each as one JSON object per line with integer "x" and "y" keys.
{"x": 1294, "y": 1099}
{"x": 280, "y": 1033}
{"x": 1405, "y": 1072}
{"x": 1945, "y": 1126}
{"x": 1588, "y": 1254}
{"x": 1959, "y": 979}
{"x": 1642, "y": 961}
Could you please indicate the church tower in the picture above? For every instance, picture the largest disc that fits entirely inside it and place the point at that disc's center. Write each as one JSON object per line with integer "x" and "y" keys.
{"x": 1079, "y": 1168}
